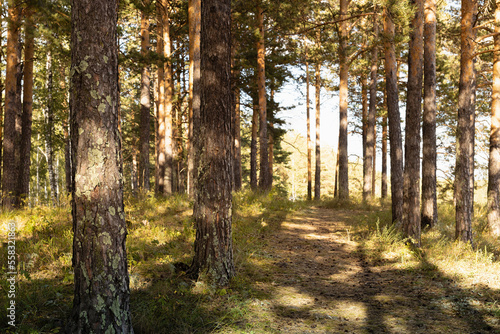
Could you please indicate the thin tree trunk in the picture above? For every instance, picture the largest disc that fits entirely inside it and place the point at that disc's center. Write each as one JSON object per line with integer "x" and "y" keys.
{"x": 343, "y": 91}
{"x": 169, "y": 96}
{"x": 49, "y": 126}
{"x": 364, "y": 128}
{"x": 253, "y": 145}
{"x": 317, "y": 172}
{"x": 264, "y": 176}
{"x": 385, "y": 136}
{"x": 194, "y": 9}
{"x": 394, "y": 120}
{"x": 309, "y": 143}
{"x": 271, "y": 141}
{"x": 102, "y": 294}
{"x": 213, "y": 198}
{"x": 336, "y": 184}
{"x": 1, "y": 108}
{"x": 161, "y": 153}
{"x": 24, "y": 177}
{"x": 134, "y": 180}
{"x": 369, "y": 189}
{"x": 494, "y": 159}
{"x": 12, "y": 120}
{"x": 465, "y": 129}
{"x": 145, "y": 106}
{"x": 411, "y": 190}
{"x": 429, "y": 158}
{"x": 237, "y": 140}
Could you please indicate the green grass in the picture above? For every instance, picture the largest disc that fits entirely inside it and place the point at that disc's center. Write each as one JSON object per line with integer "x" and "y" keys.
{"x": 161, "y": 233}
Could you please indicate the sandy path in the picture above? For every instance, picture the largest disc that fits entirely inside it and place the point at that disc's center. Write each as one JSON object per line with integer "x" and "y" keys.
{"x": 323, "y": 283}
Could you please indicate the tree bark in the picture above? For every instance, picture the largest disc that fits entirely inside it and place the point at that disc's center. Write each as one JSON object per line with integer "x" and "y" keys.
{"x": 309, "y": 143}
{"x": 429, "y": 159}
{"x": 265, "y": 175}
{"x": 364, "y": 124}
{"x": 369, "y": 189}
{"x": 161, "y": 152}
{"x": 494, "y": 159}
{"x": 24, "y": 177}
{"x": 253, "y": 145}
{"x": 385, "y": 135}
{"x": 394, "y": 119}
{"x": 343, "y": 91}
{"x": 317, "y": 172}
{"x": 169, "y": 96}
{"x": 49, "y": 126}
{"x": 101, "y": 301}
{"x": 12, "y": 117}
{"x": 213, "y": 198}
{"x": 145, "y": 105}
{"x": 194, "y": 9}
{"x": 465, "y": 128}
{"x": 237, "y": 140}
{"x": 411, "y": 190}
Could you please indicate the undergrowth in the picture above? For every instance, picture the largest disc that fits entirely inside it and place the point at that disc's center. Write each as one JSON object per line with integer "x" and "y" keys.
{"x": 161, "y": 234}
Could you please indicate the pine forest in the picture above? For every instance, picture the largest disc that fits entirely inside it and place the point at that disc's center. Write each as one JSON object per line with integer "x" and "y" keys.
{"x": 228, "y": 166}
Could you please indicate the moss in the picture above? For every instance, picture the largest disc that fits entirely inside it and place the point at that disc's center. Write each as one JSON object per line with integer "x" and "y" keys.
{"x": 110, "y": 330}
{"x": 115, "y": 308}
{"x": 105, "y": 59}
{"x": 101, "y": 108}
{"x": 94, "y": 95}
{"x": 106, "y": 238}
{"x": 112, "y": 210}
{"x": 100, "y": 304}
{"x": 83, "y": 65}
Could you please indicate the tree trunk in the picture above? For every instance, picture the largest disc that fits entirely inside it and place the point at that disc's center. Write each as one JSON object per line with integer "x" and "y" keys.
{"x": 309, "y": 143}
{"x": 169, "y": 97}
{"x": 271, "y": 140}
{"x": 343, "y": 91}
{"x": 194, "y": 83}
{"x": 364, "y": 124}
{"x": 24, "y": 177}
{"x": 145, "y": 106}
{"x": 317, "y": 172}
{"x": 385, "y": 135}
{"x": 494, "y": 161}
{"x": 265, "y": 175}
{"x": 465, "y": 128}
{"x": 213, "y": 198}
{"x": 237, "y": 140}
{"x": 49, "y": 126}
{"x": 101, "y": 301}
{"x": 1, "y": 110}
{"x": 12, "y": 120}
{"x": 253, "y": 145}
{"x": 369, "y": 181}
{"x": 394, "y": 120}
{"x": 429, "y": 149}
{"x": 411, "y": 190}
{"x": 160, "y": 154}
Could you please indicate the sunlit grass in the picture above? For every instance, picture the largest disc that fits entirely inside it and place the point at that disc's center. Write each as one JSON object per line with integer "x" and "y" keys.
{"x": 161, "y": 234}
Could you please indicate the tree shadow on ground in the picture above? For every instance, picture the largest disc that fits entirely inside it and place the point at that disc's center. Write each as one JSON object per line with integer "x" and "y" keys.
{"x": 301, "y": 274}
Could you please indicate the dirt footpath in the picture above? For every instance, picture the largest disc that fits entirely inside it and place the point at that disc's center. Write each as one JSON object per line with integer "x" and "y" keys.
{"x": 324, "y": 282}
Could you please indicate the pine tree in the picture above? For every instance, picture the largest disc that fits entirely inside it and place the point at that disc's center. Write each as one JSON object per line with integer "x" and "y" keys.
{"x": 213, "y": 199}
{"x": 411, "y": 191}
{"x": 394, "y": 118}
{"x": 494, "y": 158}
{"x": 101, "y": 300}
{"x": 12, "y": 115}
{"x": 429, "y": 158}
{"x": 464, "y": 171}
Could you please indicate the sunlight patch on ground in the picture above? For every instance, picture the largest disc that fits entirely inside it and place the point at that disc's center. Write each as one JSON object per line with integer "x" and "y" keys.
{"x": 298, "y": 226}
{"x": 316, "y": 236}
{"x": 290, "y": 296}
{"x": 350, "y": 309}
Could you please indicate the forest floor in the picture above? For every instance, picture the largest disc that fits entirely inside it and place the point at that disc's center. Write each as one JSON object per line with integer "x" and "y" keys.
{"x": 301, "y": 267}
{"x": 323, "y": 281}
